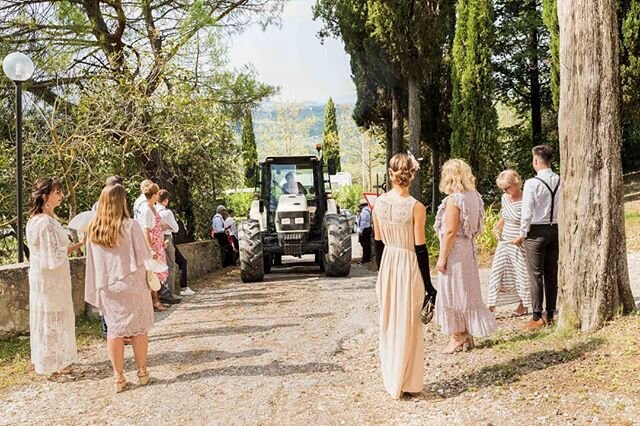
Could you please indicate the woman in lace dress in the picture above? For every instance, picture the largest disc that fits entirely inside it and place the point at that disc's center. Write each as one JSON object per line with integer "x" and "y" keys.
{"x": 150, "y": 221}
{"x": 51, "y": 315}
{"x": 116, "y": 281}
{"x": 399, "y": 221}
{"x": 460, "y": 310}
{"x": 509, "y": 281}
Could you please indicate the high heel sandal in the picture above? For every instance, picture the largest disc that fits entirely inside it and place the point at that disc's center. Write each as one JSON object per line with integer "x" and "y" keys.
{"x": 159, "y": 307}
{"x": 459, "y": 347}
{"x": 468, "y": 343}
{"x": 120, "y": 384}
{"x": 143, "y": 377}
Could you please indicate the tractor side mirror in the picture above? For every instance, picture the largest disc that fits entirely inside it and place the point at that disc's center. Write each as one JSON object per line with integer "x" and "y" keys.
{"x": 331, "y": 166}
{"x": 250, "y": 172}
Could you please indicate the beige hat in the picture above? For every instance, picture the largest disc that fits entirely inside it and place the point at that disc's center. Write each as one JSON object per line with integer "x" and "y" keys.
{"x": 363, "y": 202}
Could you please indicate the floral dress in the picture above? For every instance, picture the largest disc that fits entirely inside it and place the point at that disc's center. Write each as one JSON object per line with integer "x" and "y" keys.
{"x": 157, "y": 247}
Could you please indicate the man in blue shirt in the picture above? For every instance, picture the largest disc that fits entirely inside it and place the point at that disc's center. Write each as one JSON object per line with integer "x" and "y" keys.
{"x": 365, "y": 231}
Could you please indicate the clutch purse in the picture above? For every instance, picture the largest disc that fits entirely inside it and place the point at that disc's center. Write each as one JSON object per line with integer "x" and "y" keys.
{"x": 152, "y": 281}
{"x": 426, "y": 314}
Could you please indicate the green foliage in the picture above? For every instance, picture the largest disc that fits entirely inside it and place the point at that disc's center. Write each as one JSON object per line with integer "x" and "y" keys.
{"x": 289, "y": 131}
{"x": 330, "y": 138}
{"x": 486, "y": 242}
{"x": 550, "y": 17}
{"x": 348, "y": 197}
{"x": 249, "y": 149}
{"x": 630, "y": 75}
{"x": 474, "y": 119}
{"x": 239, "y": 202}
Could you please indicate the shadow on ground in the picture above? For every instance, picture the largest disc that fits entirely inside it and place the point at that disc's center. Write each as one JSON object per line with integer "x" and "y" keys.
{"x": 508, "y": 372}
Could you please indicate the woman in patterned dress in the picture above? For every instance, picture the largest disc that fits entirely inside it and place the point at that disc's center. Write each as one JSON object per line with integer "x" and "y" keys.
{"x": 509, "y": 281}
{"x": 51, "y": 316}
{"x": 460, "y": 310}
{"x": 150, "y": 220}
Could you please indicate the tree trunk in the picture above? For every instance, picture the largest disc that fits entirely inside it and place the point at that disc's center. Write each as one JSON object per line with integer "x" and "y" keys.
{"x": 593, "y": 274}
{"x": 397, "y": 120}
{"x": 534, "y": 82}
{"x": 414, "y": 133}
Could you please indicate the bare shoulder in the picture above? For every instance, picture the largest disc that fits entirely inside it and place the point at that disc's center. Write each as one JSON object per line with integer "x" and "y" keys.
{"x": 420, "y": 208}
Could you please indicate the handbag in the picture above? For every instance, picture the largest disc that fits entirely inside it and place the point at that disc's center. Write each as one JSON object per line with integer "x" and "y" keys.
{"x": 426, "y": 314}
{"x": 153, "y": 281}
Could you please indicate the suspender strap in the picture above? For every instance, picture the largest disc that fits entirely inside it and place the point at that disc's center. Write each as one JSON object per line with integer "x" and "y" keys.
{"x": 553, "y": 196}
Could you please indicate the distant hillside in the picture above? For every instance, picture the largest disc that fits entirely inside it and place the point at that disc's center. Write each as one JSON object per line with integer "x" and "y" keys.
{"x": 289, "y": 128}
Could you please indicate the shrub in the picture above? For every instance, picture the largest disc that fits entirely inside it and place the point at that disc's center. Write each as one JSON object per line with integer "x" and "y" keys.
{"x": 348, "y": 197}
{"x": 240, "y": 202}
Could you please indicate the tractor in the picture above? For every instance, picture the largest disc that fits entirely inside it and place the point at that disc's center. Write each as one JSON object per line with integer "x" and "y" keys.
{"x": 293, "y": 214}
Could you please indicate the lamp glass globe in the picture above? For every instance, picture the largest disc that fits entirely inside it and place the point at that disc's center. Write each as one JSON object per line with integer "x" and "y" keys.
{"x": 17, "y": 66}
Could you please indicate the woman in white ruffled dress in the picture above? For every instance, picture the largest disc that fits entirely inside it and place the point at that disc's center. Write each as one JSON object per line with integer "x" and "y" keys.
{"x": 51, "y": 315}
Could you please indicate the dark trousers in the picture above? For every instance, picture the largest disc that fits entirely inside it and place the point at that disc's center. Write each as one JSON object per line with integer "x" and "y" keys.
{"x": 182, "y": 264}
{"x": 226, "y": 251}
{"x": 541, "y": 250}
{"x": 365, "y": 242}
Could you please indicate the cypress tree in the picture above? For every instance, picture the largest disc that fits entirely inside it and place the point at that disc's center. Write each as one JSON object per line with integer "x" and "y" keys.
{"x": 474, "y": 119}
{"x": 331, "y": 141}
{"x": 249, "y": 149}
{"x": 550, "y": 17}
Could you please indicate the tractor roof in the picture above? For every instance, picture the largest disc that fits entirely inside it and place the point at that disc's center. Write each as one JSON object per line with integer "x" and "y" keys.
{"x": 292, "y": 159}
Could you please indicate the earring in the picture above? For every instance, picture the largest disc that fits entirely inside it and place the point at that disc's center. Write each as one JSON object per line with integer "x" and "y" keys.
{"x": 47, "y": 205}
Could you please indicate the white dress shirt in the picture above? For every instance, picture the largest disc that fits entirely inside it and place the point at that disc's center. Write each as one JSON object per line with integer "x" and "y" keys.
{"x": 230, "y": 224}
{"x": 217, "y": 223}
{"x": 167, "y": 218}
{"x": 536, "y": 201}
{"x": 138, "y": 204}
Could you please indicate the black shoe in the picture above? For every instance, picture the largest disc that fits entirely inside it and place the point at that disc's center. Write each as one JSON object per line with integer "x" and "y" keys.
{"x": 169, "y": 301}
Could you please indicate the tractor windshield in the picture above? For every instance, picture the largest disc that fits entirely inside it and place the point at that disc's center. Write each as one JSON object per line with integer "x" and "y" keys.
{"x": 294, "y": 179}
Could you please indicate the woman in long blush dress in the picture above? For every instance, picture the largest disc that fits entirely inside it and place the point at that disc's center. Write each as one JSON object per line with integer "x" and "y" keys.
{"x": 399, "y": 221}
{"x": 460, "y": 310}
{"x": 51, "y": 316}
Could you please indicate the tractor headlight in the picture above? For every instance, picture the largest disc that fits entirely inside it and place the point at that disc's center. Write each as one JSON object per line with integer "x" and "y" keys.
{"x": 285, "y": 221}
{"x": 299, "y": 220}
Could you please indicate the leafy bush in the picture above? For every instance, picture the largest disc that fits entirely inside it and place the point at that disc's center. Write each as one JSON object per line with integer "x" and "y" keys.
{"x": 240, "y": 202}
{"x": 486, "y": 241}
{"x": 348, "y": 197}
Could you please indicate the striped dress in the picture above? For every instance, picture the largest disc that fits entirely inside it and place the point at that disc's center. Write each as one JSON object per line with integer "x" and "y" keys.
{"x": 509, "y": 281}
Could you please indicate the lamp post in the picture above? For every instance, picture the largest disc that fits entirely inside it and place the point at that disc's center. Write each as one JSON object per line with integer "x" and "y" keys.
{"x": 18, "y": 67}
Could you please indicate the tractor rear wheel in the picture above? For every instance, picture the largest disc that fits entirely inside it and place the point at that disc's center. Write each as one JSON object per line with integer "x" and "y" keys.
{"x": 251, "y": 257}
{"x": 337, "y": 259}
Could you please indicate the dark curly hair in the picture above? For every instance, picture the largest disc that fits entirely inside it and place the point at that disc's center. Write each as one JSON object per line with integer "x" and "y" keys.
{"x": 42, "y": 187}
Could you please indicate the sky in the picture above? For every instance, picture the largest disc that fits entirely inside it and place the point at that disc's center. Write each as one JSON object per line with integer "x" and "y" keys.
{"x": 292, "y": 57}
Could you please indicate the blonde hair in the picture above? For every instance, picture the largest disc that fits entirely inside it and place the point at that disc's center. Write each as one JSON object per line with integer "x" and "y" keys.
{"x": 401, "y": 170}
{"x": 508, "y": 178}
{"x": 144, "y": 184}
{"x": 106, "y": 226}
{"x": 456, "y": 176}
{"x": 150, "y": 190}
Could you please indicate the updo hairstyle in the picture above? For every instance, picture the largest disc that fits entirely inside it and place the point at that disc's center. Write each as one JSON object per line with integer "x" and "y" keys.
{"x": 401, "y": 171}
{"x": 150, "y": 190}
{"x": 42, "y": 188}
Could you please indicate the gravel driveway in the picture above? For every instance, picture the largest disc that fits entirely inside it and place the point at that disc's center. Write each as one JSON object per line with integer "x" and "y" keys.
{"x": 298, "y": 348}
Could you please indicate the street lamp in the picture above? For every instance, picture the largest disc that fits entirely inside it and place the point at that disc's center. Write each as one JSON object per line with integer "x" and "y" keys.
{"x": 18, "y": 67}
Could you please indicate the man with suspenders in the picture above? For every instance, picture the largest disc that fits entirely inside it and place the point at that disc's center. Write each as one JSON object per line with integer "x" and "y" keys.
{"x": 539, "y": 234}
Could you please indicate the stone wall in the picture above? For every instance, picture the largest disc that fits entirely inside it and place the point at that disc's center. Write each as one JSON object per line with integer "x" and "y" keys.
{"x": 202, "y": 258}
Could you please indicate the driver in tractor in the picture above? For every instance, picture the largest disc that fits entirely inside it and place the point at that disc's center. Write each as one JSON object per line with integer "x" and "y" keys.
{"x": 292, "y": 186}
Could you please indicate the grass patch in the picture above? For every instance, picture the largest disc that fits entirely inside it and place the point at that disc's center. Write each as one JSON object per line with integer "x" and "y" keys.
{"x": 15, "y": 357}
